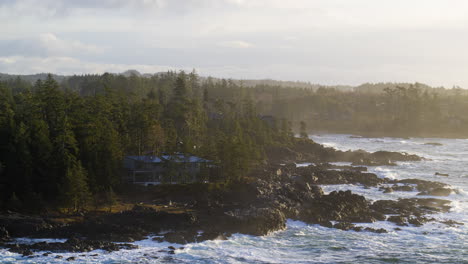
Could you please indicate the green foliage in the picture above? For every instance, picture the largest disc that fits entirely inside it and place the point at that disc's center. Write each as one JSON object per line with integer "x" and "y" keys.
{"x": 64, "y": 143}
{"x": 76, "y": 194}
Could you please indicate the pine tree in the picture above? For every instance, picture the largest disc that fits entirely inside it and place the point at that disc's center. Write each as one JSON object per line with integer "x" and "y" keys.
{"x": 303, "y": 130}
{"x": 77, "y": 194}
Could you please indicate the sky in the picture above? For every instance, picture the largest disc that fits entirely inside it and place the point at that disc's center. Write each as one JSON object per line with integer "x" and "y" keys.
{"x": 319, "y": 41}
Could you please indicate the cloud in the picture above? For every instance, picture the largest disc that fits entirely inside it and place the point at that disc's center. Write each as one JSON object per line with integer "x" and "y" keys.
{"x": 70, "y": 66}
{"x": 56, "y": 46}
{"x": 237, "y": 44}
{"x": 337, "y": 41}
{"x": 47, "y": 44}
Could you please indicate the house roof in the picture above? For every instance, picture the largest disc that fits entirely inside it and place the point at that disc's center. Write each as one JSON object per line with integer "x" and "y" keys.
{"x": 147, "y": 159}
{"x": 179, "y": 158}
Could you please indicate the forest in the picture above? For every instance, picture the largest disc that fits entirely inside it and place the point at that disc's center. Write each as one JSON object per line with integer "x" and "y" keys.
{"x": 62, "y": 140}
{"x": 374, "y": 110}
{"x": 62, "y": 145}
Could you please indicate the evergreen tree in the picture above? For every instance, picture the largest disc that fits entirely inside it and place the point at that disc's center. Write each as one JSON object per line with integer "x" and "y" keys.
{"x": 77, "y": 194}
{"x": 303, "y": 130}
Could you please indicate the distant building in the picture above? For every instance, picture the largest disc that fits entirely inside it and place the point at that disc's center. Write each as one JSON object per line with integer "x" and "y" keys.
{"x": 175, "y": 168}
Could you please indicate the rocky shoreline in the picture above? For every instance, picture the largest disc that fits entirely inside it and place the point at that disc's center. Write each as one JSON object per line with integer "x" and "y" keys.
{"x": 256, "y": 205}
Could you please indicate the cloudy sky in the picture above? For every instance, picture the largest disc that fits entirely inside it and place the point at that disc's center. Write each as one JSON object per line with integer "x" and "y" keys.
{"x": 321, "y": 41}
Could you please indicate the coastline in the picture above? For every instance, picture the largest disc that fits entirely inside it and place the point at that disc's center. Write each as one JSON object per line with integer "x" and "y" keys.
{"x": 257, "y": 205}
{"x": 387, "y": 134}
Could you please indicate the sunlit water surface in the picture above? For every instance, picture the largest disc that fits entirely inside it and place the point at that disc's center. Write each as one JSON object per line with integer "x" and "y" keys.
{"x": 300, "y": 243}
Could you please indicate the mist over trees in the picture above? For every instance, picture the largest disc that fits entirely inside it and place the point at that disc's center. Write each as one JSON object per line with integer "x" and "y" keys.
{"x": 388, "y": 110}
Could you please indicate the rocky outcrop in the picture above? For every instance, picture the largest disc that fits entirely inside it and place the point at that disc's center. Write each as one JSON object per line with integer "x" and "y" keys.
{"x": 257, "y": 204}
{"x": 126, "y": 226}
{"x": 424, "y": 187}
{"x": 411, "y": 206}
{"x": 71, "y": 245}
{"x": 339, "y": 206}
{"x": 306, "y": 150}
{"x": 19, "y": 225}
{"x": 437, "y": 192}
{"x": 433, "y": 144}
{"x": 254, "y": 221}
{"x": 324, "y": 175}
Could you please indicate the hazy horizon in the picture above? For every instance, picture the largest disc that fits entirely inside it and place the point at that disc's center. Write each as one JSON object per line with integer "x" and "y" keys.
{"x": 327, "y": 42}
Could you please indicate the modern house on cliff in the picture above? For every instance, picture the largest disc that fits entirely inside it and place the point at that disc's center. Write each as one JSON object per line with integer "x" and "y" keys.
{"x": 175, "y": 168}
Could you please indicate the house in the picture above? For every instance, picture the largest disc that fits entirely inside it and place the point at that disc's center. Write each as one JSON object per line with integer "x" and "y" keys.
{"x": 173, "y": 168}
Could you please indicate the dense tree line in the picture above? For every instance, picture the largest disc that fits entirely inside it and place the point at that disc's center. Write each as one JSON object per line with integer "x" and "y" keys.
{"x": 62, "y": 140}
{"x": 402, "y": 110}
{"x": 62, "y": 145}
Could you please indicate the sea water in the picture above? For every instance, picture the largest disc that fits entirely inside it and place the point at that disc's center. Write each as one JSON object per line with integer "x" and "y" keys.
{"x": 433, "y": 242}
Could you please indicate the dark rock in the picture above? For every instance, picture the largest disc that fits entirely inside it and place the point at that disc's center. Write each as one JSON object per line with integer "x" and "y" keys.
{"x": 254, "y": 221}
{"x": 4, "y": 235}
{"x": 418, "y": 221}
{"x": 18, "y": 225}
{"x": 388, "y": 190}
{"x": 322, "y": 175}
{"x": 399, "y": 220}
{"x": 338, "y": 206}
{"x": 422, "y": 185}
{"x": 211, "y": 236}
{"x": 441, "y": 174}
{"x": 403, "y": 188}
{"x": 70, "y": 258}
{"x": 452, "y": 223}
{"x": 344, "y": 226}
{"x": 411, "y": 206}
{"x": 26, "y": 252}
{"x": 71, "y": 245}
{"x": 374, "y": 230}
{"x": 433, "y": 144}
{"x": 327, "y": 224}
{"x": 171, "y": 247}
{"x": 369, "y": 162}
{"x": 358, "y": 228}
{"x": 180, "y": 237}
{"x": 437, "y": 192}
{"x": 59, "y": 257}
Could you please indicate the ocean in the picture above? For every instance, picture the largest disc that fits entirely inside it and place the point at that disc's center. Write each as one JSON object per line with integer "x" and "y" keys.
{"x": 433, "y": 242}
